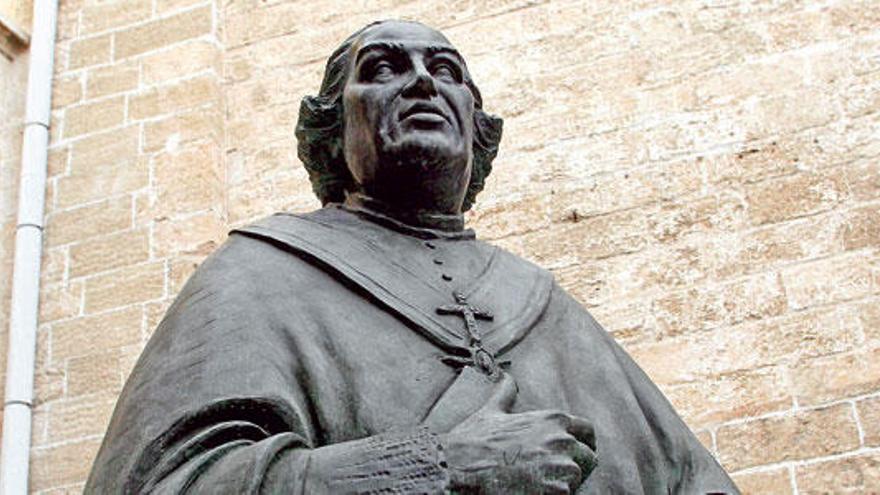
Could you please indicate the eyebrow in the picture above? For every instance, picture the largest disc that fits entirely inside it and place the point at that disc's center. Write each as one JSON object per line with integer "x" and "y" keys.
{"x": 396, "y": 47}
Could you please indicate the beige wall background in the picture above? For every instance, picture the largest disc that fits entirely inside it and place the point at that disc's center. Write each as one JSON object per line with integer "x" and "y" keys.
{"x": 702, "y": 175}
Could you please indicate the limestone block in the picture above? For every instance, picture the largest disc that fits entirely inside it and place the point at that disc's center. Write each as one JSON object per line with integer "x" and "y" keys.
{"x": 856, "y": 474}
{"x": 129, "y": 285}
{"x": 91, "y": 117}
{"x": 84, "y": 335}
{"x": 116, "y": 78}
{"x": 109, "y": 252}
{"x": 84, "y": 222}
{"x": 828, "y": 280}
{"x": 801, "y": 435}
{"x": 869, "y": 416}
{"x": 774, "y": 482}
{"x": 110, "y": 178}
{"x": 835, "y": 377}
{"x": 163, "y": 32}
{"x": 63, "y": 464}
{"x": 94, "y": 373}
{"x": 721, "y": 398}
{"x": 89, "y": 51}
{"x": 117, "y": 13}
{"x": 180, "y": 60}
{"x": 174, "y": 97}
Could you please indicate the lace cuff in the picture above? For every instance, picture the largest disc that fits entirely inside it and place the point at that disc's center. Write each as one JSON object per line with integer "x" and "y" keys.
{"x": 411, "y": 462}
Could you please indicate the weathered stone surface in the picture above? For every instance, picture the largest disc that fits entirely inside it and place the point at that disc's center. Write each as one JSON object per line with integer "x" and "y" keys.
{"x": 163, "y": 32}
{"x": 835, "y": 377}
{"x": 63, "y": 464}
{"x": 60, "y": 301}
{"x": 88, "y": 221}
{"x": 132, "y": 284}
{"x": 109, "y": 252}
{"x": 89, "y": 51}
{"x": 181, "y": 60}
{"x": 111, "y": 178}
{"x": 83, "y": 335}
{"x": 785, "y": 340}
{"x": 707, "y": 307}
{"x": 861, "y": 228}
{"x": 112, "y": 79}
{"x": 54, "y": 266}
{"x": 71, "y": 419}
{"x": 91, "y": 117}
{"x": 180, "y": 129}
{"x": 732, "y": 395}
{"x": 775, "y": 482}
{"x": 106, "y": 148}
{"x": 104, "y": 16}
{"x": 186, "y": 180}
{"x": 828, "y": 280}
{"x": 869, "y": 416}
{"x": 793, "y": 196}
{"x": 801, "y": 435}
{"x": 67, "y": 90}
{"x": 869, "y": 315}
{"x": 857, "y": 474}
{"x": 57, "y": 161}
{"x": 778, "y": 244}
{"x": 174, "y": 97}
{"x": 93, "y": 373}
{"x": 199, "y": 234}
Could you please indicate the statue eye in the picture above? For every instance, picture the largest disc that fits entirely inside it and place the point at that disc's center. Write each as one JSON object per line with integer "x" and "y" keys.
{"x": 382, "y": 71}
{"x": 447, "y": 72}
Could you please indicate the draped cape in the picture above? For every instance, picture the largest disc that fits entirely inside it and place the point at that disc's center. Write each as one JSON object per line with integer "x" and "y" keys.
{"x": 316, "y": 336}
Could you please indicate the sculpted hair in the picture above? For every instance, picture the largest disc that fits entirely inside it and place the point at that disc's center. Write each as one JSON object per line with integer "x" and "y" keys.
{"x": 319, "y": 133}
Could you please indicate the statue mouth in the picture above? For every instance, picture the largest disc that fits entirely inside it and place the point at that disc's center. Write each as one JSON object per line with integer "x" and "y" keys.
{"x": 424, "y": 112}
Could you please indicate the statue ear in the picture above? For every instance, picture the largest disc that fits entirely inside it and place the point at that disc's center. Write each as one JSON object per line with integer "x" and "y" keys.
{"x": 319, "y": 147}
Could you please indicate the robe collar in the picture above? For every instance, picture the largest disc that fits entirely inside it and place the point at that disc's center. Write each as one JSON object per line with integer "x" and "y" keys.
{"x": 378, "y": 261}
{"x": 420, "y": 224}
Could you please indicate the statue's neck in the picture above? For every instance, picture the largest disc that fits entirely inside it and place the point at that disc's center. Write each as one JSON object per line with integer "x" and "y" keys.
{"x": 420, "y": 221}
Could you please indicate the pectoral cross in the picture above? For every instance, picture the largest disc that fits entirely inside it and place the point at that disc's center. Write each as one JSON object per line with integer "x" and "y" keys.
{"x": 480, "y": 358}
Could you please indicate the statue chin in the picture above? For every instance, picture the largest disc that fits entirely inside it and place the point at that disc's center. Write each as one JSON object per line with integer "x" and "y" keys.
{"x": 425, "y": 151}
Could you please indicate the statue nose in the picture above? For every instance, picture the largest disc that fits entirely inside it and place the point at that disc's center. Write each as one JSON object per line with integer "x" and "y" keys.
{"x": 422, "y": 84}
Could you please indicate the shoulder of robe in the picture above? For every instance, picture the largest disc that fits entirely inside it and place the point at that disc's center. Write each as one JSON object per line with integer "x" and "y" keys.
{"x": 239, "y": 264}
{"x": 378, "y": 261}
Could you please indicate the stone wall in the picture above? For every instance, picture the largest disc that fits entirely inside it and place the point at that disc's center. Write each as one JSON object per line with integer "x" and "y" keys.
{"x": 702, "y": 175}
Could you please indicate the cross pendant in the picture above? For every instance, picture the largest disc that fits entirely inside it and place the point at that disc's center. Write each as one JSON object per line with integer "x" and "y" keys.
{"x": 480, "y": 358}
{"x": 469, "y": 313}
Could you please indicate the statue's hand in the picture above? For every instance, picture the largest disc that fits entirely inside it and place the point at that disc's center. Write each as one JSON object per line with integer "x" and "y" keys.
{"x": 494, "y": 451}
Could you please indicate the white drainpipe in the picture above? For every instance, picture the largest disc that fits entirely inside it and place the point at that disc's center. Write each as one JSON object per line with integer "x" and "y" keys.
{"x": 28, "y": 251}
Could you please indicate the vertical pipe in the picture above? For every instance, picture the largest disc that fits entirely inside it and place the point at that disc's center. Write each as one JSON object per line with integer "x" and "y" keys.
{"x": 15, "y": 456}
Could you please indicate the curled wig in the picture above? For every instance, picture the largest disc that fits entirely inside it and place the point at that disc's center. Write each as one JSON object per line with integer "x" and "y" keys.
{"x": 319, "y": 133}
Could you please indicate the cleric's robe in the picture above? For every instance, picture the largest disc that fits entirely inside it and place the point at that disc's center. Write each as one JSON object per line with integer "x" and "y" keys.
{"x": 308, "y": 331}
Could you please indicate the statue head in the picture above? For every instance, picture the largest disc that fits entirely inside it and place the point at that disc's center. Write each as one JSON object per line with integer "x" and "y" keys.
{"x": 398, "y": 116}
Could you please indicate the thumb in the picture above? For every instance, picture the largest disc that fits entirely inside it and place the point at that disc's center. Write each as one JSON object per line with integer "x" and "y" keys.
{"x": 503, "y": 395}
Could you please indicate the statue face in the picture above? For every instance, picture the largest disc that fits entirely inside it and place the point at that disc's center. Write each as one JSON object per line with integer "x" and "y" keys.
{"x": 408, "y": 115}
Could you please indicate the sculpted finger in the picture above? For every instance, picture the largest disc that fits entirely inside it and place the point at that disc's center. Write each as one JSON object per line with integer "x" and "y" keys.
{"x": 555, "y": 487}
{"x": 583, "y": 430}
{"x": 586, "y": 458}
{"x": 565, "y": 469}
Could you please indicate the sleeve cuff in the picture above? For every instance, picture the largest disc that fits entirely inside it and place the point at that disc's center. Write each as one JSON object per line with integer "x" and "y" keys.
{"x": 411, "y": 462}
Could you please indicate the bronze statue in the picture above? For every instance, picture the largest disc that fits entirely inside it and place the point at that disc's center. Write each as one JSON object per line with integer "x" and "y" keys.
{"x": 375, "y": 346}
